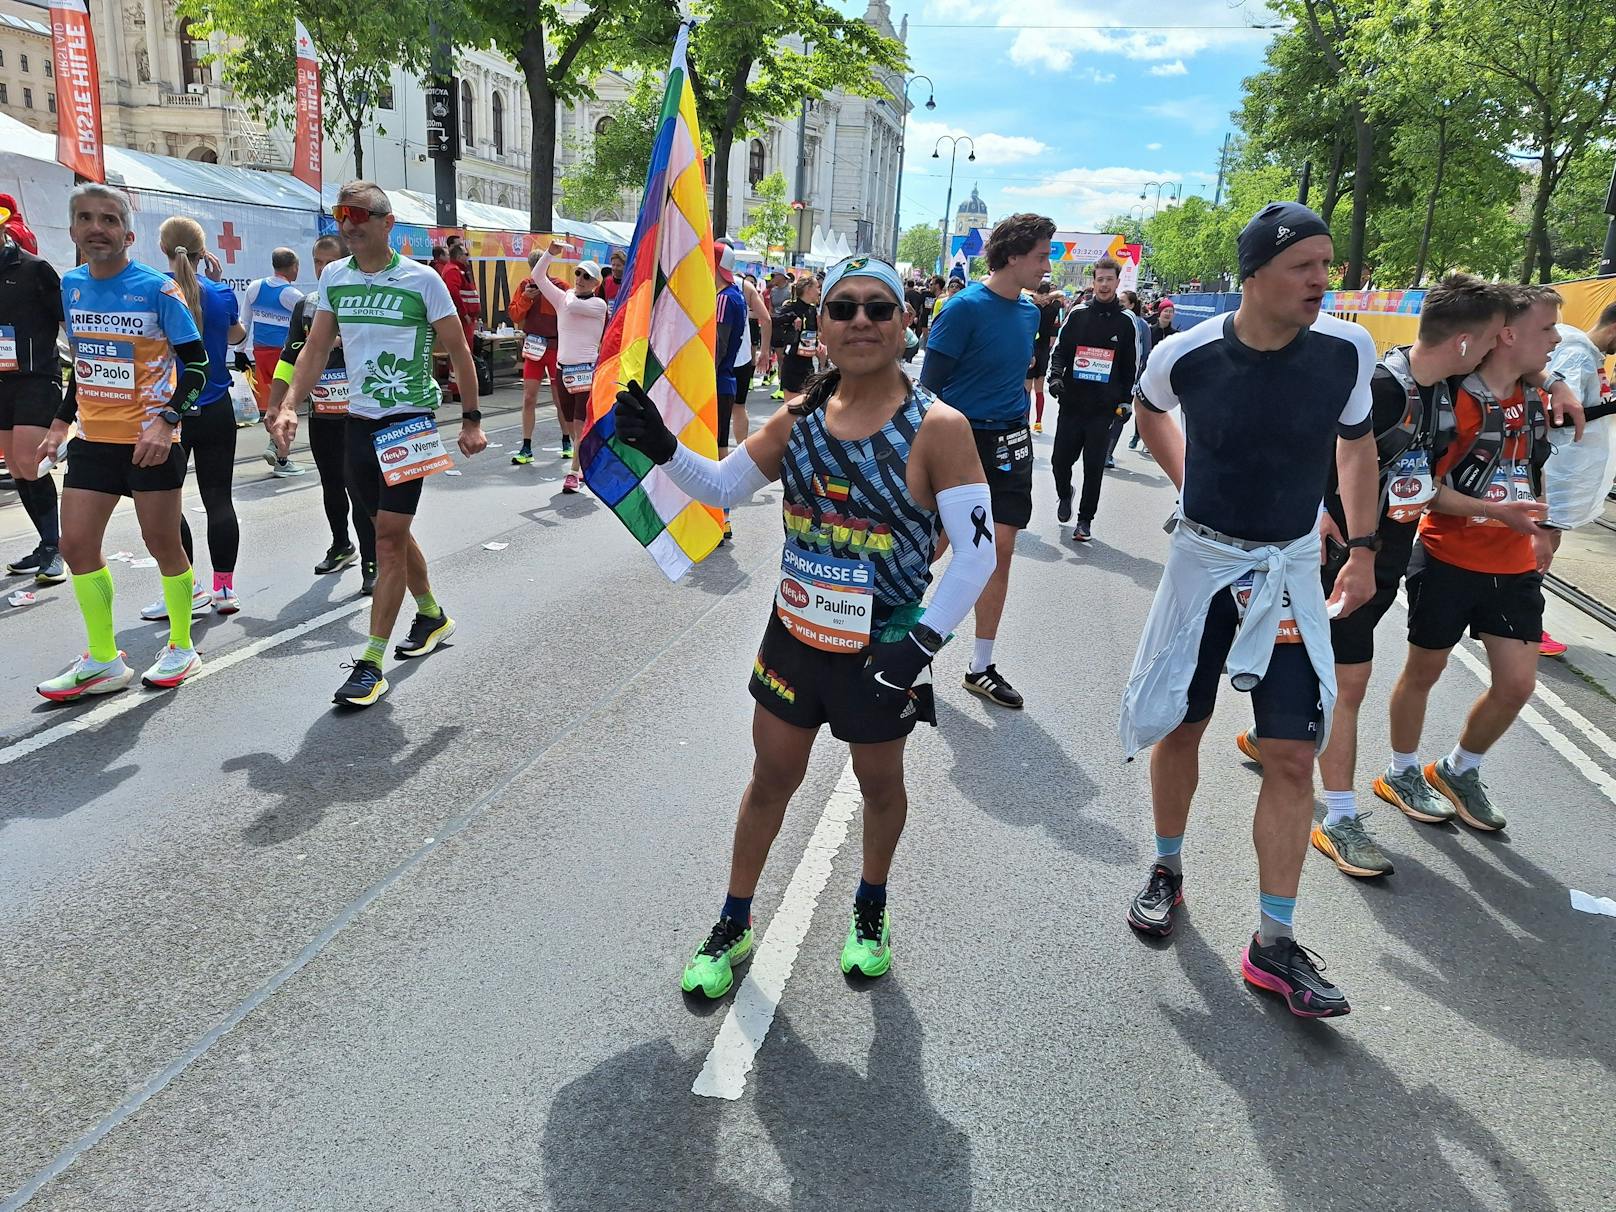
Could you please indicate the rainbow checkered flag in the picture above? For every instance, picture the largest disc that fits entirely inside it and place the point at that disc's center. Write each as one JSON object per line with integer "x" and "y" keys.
{"x": 662, "y": 333}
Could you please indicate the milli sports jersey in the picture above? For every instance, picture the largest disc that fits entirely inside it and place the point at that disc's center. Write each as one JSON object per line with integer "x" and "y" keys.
{"x": 269, "y": 311}
{"x": 123, "y": 331}
{"x": 386, "y": 319}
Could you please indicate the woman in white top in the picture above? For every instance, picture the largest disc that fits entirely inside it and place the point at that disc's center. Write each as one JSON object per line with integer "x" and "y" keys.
{"x": 580, "y": 322}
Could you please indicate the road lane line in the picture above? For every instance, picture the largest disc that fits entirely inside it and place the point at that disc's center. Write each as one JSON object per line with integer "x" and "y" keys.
{"x": 134, "y": 699}
{"x": 1578, "y": 721}
{"x": 750, "y": 1014}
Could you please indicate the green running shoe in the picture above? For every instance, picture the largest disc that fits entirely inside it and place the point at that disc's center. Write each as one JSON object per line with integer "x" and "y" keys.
{"x": 1411, "y": 795}
{"x": 1467, "y": 793}
{"x": 1348, "y": 845}
{"x": 869, "y": 941}
{"x": 523, "y": 456}
{"x": 711, "y": 971}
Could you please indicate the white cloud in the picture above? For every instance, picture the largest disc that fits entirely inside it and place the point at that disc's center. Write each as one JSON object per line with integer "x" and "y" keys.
{"x": 1085, "y": 197}
{"x": 990, "y": 148}
{"x": 1200, "y": 115}
{"x": 1175, "y": 68}
{"x": 1049, "y": 33}
{"x": 1095, "y": 76}
{"x": 1153, "y": 147}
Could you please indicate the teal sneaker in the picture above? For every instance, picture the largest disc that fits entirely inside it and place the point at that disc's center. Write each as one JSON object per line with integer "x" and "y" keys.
{"x": 1348, "y": 845}
{"x": 1411, "y": 795}
{"x": 1468, "y": 795}
{"x": 711, "y": 971}
{"x": 869, "y": 941}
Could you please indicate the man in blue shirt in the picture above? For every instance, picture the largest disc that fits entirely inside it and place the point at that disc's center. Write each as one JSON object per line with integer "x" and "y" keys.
{"x": 976, "y": 360}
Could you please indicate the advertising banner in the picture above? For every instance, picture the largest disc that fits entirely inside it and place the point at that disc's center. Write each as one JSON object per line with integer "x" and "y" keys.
{"x": 310, "y": 128}
{"x": 78, "y": 122}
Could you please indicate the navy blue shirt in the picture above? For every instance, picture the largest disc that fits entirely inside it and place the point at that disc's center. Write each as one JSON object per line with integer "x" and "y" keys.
{"x": 990, "y": 341}
{"x": 220, "y": 312}
{"x": 1260, "y": 425}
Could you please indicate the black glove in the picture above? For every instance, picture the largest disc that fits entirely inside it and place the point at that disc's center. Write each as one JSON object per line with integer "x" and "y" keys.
{"x": 1054, "y": 385}
{"x": 890, "y": 669}
{"x": 641, "y": 425}
{"x": 241, "y": 362}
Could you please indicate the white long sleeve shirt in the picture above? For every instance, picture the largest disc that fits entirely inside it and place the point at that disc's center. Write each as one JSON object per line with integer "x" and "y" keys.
{"x": 1579, "y": 474}
{"x": 580, "y": 323}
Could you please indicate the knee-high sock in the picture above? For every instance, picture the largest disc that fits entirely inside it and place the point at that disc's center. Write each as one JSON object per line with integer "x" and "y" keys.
{"x": 39, "y": 500}
{"x": 94, "y": 593}
{"x": 177, "y": 597}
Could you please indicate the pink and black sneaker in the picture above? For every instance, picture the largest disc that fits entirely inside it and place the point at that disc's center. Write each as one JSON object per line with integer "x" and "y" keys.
{"x": 1294, "y": 972}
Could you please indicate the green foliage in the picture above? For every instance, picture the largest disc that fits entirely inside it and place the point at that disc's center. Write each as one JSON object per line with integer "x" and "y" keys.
{"x": 610, "y": 163}
{"x": 770, "y": 214}
{"x": 1576, "y": 215}
{"x": 921, "y": 245}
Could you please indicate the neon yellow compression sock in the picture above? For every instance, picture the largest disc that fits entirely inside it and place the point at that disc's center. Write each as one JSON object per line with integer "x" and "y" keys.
{"x": 94, "y": 593}
{"x": 177, "y": 591}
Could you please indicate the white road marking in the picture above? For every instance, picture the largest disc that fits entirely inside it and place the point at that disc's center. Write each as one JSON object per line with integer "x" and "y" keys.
{"x": 137, "y": 697}
{"x": 1577, "y": 720}
{"x": 752, "y": 1011}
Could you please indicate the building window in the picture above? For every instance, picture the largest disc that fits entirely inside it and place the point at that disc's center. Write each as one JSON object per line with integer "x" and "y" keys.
{"x": 50, "y": 71}
{"x": 604, "y": 125}
{"x": 28, "y": 98}
{"x": 2, "y": 58}
{"x": 499, "y": 124}
{"x": 384, "y": 98}
{"x": 468, "y": 126}
{"x": 24, "y": 60}
{"x": 50, "y": 102}
{"x": 754, "y": 167}
{"x": 193, "y": 71}
{"x": 4, "y": 99}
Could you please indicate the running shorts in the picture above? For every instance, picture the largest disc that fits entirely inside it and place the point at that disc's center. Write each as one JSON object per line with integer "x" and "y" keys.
{"x": 1286, "y": 702}
{"x": 1353, "y": 637}
{"x": 545, "y": 367}
{"x": 109, "y": 467}
{"x": 365, "y": 473}
{"x": 1444, "y": 601}
{"x": 726, "y": 420}
{"x": 571, "y": 406}
{"x": 743, "y": 380}
{"x": 1040, "y": 360}
{"x": 29, "y": 400}
{"x": 1006, "y": 456}
{"x": 806, "y": 687}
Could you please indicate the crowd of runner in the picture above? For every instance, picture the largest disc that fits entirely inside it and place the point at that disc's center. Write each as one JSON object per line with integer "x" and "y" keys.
{"x": 1316, "y": 479}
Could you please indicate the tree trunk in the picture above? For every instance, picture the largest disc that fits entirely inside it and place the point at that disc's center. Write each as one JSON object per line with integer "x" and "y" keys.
{"x": 541, "y": 104}
{"x": 1430, "y": 203}
{"x": 355, "y": 129}
{"x": 1362, "y": 170}
{"x": 1332, "y": 186}
{"x": 1537, "y": 234}
{"x": 723, "y": 142}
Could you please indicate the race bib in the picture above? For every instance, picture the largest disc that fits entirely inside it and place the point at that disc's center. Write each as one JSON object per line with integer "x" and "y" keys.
{"x": 1409, "y": 486}
{"x": 1289, "y": 632}
{"x": 330, "y": 394}
{"x": 8, "y": 348}
{"x": 1510, "y": 482}
{"x": 808, "y": 343}
{"x": 578, "y": 376}
{"x": 1014, "y": 449}
{"x": 534, "y": 347}
{"x": 105, "y": 370}
{"x": 825, "y": 602}
{"x": 410, "y": 450}
{"x": 1093, "y": 363}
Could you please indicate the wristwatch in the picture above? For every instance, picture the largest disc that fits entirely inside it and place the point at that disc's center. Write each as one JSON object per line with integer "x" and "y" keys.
{"x": 1370, "y": 541}
{"x": 475, "y": 416}
{"x": 169, "y": 415}
{"x": 927, "y": 638}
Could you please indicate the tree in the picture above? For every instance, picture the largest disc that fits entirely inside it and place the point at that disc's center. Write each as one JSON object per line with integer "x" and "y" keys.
{"x": 921, "y": 245}
{"x": 771, "y": 215}
{"x": 1576, "y": 217}
{"x": 358, "y": 44}
{"x": 612, "y": 161}
{"x": 1129, "y": 227}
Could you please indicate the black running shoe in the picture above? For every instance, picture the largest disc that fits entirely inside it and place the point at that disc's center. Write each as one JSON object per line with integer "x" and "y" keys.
{"x": 30, "y": 564}
{"x": 339, "y": 557}
{"x": 426, "y": 633}
{"x": 367, "y": 578}
{"x": 1081, "y": 532}
{"x": 1063, "y": 511}
{"x": 1296, "y": 974}
{"x": 364, "y": 685}
{"x": 991, "y": 685}
{"x": 1152, "y": 909}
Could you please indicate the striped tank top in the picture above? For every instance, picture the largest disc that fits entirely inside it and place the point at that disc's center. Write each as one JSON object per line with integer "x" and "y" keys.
{"x": 851, "y": 500}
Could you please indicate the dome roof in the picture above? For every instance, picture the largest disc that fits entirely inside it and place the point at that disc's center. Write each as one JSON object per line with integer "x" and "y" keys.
{"x": 973, "y": 205}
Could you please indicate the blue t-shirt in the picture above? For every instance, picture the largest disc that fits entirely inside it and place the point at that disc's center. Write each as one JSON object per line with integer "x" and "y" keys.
{"x": 219, "y": 312}
{"x": 990, "y": 338}
{"x": 731, "y": 311}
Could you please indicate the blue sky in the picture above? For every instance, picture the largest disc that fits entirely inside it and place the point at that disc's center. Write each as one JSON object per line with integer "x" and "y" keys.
{"x": 1072, "y": 122}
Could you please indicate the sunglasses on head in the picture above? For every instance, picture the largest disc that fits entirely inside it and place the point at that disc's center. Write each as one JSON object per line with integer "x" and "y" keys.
{"x": 843, "y": 310}
{"x": 357, "y": 215}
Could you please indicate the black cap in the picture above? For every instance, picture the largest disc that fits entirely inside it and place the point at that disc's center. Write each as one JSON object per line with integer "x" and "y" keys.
{"x": 1272, "y": 230}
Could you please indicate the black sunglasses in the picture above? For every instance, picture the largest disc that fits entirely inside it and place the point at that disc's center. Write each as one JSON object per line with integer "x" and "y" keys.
{"x": 843, "y": 310}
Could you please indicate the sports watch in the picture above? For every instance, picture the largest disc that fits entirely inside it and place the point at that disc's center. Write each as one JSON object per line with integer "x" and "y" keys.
{"x": 475, "y": 416}
{"x": 1370, "y": 541}
{"x": 170, "y": 416}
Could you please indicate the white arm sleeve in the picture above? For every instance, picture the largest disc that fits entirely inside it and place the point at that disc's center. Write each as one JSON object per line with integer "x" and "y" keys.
{"x": 967, "y": 513}
{"x": 723, "y": 485}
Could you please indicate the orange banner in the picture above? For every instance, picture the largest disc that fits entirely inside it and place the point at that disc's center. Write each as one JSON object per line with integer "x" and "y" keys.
{"x": 310, "y": 127}
{"x": 78, "y": 81}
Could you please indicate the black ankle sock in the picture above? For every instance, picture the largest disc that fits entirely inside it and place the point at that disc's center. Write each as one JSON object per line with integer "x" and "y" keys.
{"x": 738, "y": 909}
{"x": 871, "y": 894}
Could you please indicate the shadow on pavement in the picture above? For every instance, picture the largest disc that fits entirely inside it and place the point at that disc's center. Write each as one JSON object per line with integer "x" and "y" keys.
{"x": 629, "y": 1136}
{"x": 91, "y": 774}
{"x": 1017, "y": 773}
{"x": 1323, "y": 1107}
{"x": 1100, "y": 555}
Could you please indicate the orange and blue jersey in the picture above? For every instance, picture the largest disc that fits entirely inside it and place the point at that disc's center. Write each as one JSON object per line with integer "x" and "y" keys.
{"x": 123, "y": 331}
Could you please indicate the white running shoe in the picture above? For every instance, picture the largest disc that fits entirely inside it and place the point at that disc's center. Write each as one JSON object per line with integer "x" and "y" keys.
{"x": 285, "y": 469}
{"x": 85, "y": 677}
{"x": 173, "y": 666}
{"x": 272, "y": 455}
{"x": 201, "y": 603}
{"x": 225, "y": 601}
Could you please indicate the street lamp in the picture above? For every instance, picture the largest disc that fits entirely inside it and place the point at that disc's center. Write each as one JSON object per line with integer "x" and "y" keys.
{"x": 1174, "y": 191}
{"x": 903, "y": 130}
{"x": 948, "y": 207}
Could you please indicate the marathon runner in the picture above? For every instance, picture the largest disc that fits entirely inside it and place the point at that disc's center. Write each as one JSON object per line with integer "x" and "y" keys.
{"x": 139, "y": 368}
{"x": 580, "y": 322}
{"x": 389, "y": 313}
{"x": 1270, "y": 394}
{"x": 30, "y": 390}
{"x": 729, "y": 318}
{"x": 537, "y": 319}
{"x": 328, "y": 431}
{"x": 1412, "y": 413}
{"x": 757, "y": 337}
{"x": 1049, "y": 322}
{"x": 1479, "y": 567}
{"x": 881, "y": 459}
{"x": 269, "y": 302}
{"x": 796, "y": 337}
{"x": 981, "y": 344}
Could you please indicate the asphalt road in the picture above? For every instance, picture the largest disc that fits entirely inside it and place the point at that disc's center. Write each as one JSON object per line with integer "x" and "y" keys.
{"x": 257, "y": 955}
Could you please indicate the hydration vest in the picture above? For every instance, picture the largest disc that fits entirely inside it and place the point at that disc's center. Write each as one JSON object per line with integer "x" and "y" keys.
{"x": 1474, "y": 471}
{"x": 1421, "y": 425}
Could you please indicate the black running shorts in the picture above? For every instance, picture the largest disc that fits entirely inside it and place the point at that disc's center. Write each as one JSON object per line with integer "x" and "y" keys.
{"x": 1040, "y": 360}
{"x": 1444, "y": 601}
{"x": 1007, "y": 462}
{"x": 29, "y": 400}
{"x": 109, "y": 467}
{"x": 365, "y": 473}
{"x": 1353, "y": 637}
{"x": 808, "y": 687}
{"x": 1286, "y": 702}
{"x": 726, "y": 418}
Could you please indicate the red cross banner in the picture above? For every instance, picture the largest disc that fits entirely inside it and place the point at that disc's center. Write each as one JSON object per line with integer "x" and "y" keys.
{"x": 310, "y": 131}
{"x": 78, "y": 83}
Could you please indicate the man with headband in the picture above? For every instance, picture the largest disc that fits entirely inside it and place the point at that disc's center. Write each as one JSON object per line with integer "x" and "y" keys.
{"x": 869, "y": 463}
{"x": 1271, "y": 395}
